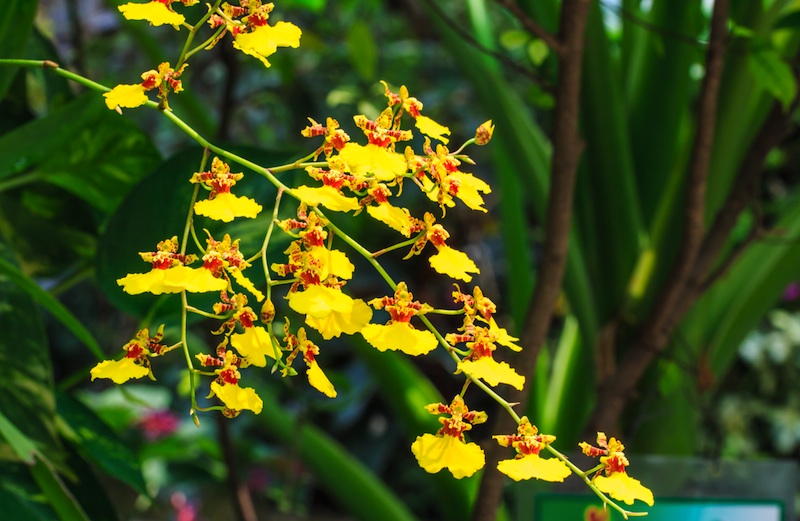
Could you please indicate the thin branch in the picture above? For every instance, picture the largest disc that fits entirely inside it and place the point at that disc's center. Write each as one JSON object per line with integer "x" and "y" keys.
{"x": 531, "y": 26}
{"x": 567, "y": 150}
{"x": 502, "y": 58}
{"x": 615, "y": 392}
{"x": 756, "y": 232}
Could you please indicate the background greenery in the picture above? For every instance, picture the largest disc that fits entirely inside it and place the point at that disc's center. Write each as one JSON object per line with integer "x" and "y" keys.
{"x": 82, "y": 190}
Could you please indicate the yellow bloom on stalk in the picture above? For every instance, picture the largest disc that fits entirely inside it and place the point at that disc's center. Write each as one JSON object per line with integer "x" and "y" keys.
{"x": 396, "y": 218}
{"x": 157, "y": 13}
{"x": 399, "y": 336}
{"x": 453, "y": 263}
{"x": 528, "y": 464}
{"x": 238, "y": 398}
{"x": 226, "y": 206}
{"x": 264, "y": 40}
{"x": 336, "y": 322}
{"x": 335, "y": 262}
{"x": 246, "y": 283}
{"x": 383, "y": 164}
{"x": 624, "y": 488}
{"x": 172, "y": 280}
{"x": 492, "y": 372}
{"x": 326, "y": 196}
{"x": 255, "y": 345}
{"x": 448, "y": 449}
{"x": 318, "y": 380}
{"x": 432, "y": 129}
{"x": 119, "y": 371}
{"x": 502, "y": 337}
{"x": 126, "y": 96}
{"x": 459, "y": 184}
{"x": 616, "y": 482}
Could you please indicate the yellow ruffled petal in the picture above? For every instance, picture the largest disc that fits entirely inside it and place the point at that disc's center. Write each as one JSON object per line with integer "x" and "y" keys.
{"x": 453, "y": 263}
{"x": 150, "y": 282}
{"x": 469, "y": 188}
{"x": 238, "y": 398}
{"x": 119, "y": 371}
{"x": 624, "y": 488}
{"x": 435, "y": 453}
{"x": 225, "y": 207}
{"x": 125, "y": 96}
{"x": 336, "y": 323}
{"x": 244, "y": 282}
{"x": 372, "y": 159}
{"x": 532, "y": 466}
{"x": 320, "y": 301}
{"x": 492, "y": 372}
{"x": 502, "y": 337}
{"x": 193, "y": 280}
{"x": 431, "y": 189}
{"x": 154, "y": 12}
{"x": 399, "y": 336}
{"x": 396, "y": 218}
{"x": 254, "y": 345}
{"x": 265, "y": 40}
{"x": 432, "y": 129}
{"x": 326, "y": 196}
{"x": 332, "y": 262}
{"x": 319, "y": 381}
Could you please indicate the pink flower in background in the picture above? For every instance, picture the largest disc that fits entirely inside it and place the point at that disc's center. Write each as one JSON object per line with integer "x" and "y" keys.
{"x": 184, "y": 509}
{"x": 159, "y": 424}
{"x": 792, "y": 292}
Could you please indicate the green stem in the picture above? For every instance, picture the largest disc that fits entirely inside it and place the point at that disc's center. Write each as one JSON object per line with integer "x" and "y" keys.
{"x": 267, "y": 237}
{"x": 204, "y": 44}
{"x": 206, "y": 314}
{"x": 399, "y": 245}
{"x": 192, "y": 32}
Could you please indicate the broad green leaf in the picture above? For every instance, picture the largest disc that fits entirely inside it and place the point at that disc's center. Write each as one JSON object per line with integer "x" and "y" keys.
{"x": 51, "y": 304}
{"x": 84, "y": 148}
{"x": 342, "y": 476}
{"x": 773, "y": 74}
{"x": 22, "y": 447}
{"x": 310, "y": 5}
{"x": 55, "y": 490}
{"x": 16, "y": 23}
{"x": 96, "y": 442}
{"x": 27, "y": 383}
{"x": 538, "y": 51}
{"x": 789, "y": 21}
{"x": 362, "y": 49}
{"x": 514, "y": 39}
{"x": 20, "y": 496}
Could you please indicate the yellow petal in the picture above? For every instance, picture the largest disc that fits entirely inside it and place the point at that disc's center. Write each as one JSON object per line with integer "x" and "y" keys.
{"x": 432, "y": 191}
{"x": 433, "y": 129}
{"x": 492, "y": 372}
{"x": 397, "y": 218}
{"x": 226, "y": 206}
{"x": 265, "y": 40}
{"x": 244, "y": 282}
{"x": 336, "y": 323}
{"x": 399, "y": 336}
{"x": 193, "y": 280}
{"x": 319, "y": 381}
{"x": 332, "y": 262}
{"x": 319, "y": 301}
{"x": 254, "y": 345}
{"x": 502, "y": 337}
{"x": 372, "y": 159}
{"x": 326, "y": 196}
{"x": 435, "y": 453}
{"x": 467, "y": 189}
{"x": 532, "y": 466}
{"x": 119, "y": 371}
{"x": 453, "y": 263}
{"x": 150, "y": 282}
{"x": 154, "y": 12}
{"x": 238, "y": 398}
{"x": 125, "y": 96}
{"x": 624, "y": 488}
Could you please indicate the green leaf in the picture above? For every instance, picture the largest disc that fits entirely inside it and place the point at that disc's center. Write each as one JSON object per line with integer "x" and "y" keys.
{"x": 514, "y": 39}
{"x": 20, "y": 496}
{"x": 538, "y": 51}
{"x": 773, "y": 74}
{"x": 27, "y": 383}
{"x": 22, "y": 446}
{"x": 56, "y": 492}
{"x": 84, "y": 148}
{"x": 362, "y": 49}
{"x": 98, "y": 443}
{"x": 16, "y": 22}
{"x": 341, "y": 475}
{"x": 51, "y": 304}
{"x": 789, "y": 21}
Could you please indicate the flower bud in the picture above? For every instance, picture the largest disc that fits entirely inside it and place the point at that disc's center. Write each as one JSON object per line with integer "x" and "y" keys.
{"x": 484, "y": 133}
{"x": 267, "y": 312}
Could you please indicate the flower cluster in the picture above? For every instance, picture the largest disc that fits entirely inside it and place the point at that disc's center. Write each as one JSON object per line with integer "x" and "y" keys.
{"x": 360, "y": 180}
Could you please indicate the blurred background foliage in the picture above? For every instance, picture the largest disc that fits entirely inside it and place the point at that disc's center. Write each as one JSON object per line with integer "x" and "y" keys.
{"x": 82, "y": 190}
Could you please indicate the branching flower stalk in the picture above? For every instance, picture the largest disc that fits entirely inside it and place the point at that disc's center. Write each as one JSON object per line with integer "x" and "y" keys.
{"x": 354, "y": 179}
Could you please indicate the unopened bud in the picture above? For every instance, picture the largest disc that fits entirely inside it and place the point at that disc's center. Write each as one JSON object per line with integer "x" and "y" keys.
{"x": 484, "y": 133}
{"x": 267, "y": 312}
